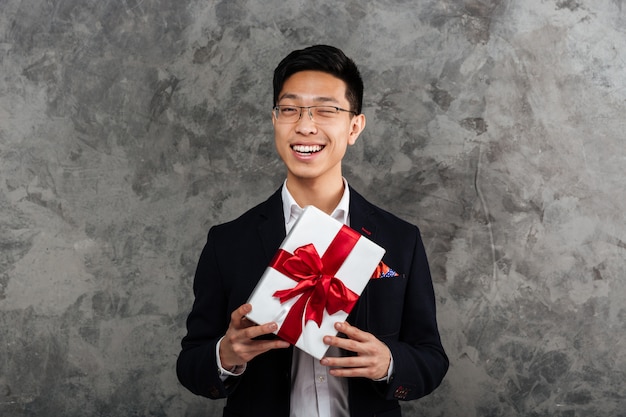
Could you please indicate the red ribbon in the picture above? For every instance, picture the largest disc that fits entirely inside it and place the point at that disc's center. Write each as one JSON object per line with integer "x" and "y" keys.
{"x": 317, "y": 285}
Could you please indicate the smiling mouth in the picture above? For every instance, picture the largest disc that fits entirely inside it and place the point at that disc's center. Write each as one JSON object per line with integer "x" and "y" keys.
{"x": 307, "y": 149}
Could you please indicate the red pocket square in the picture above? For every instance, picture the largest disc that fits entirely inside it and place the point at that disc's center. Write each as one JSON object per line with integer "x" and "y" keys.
{"x": 383, "y": 271}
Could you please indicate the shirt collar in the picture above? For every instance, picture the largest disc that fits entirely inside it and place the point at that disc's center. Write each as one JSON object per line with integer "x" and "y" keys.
{"x": 291, "y": 209}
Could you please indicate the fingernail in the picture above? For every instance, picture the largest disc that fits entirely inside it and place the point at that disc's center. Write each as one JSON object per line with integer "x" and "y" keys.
{"x": 338, "y": 326}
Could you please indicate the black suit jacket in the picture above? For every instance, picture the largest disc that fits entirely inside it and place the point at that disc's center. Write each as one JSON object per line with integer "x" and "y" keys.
{"x": 400, "y": 311}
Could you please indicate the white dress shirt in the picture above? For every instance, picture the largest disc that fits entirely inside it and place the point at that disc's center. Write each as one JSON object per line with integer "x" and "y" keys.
{"x": 314, "y": 391}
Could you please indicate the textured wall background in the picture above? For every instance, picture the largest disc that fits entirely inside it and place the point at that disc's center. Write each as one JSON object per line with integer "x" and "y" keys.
{"x": 129, "y": 127}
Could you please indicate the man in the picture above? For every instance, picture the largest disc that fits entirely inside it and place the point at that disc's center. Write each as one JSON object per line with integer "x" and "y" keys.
{"x": 389, "y": 348}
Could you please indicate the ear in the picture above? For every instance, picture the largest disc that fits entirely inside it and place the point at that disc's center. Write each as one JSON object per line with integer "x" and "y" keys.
{"x": 357, "y": 124}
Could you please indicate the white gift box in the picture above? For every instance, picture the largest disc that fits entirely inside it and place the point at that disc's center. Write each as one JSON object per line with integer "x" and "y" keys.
{"x": 325, "y": 286}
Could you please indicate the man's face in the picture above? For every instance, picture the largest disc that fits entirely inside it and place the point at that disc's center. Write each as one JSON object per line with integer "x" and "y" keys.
{"x": 310, "y": 150}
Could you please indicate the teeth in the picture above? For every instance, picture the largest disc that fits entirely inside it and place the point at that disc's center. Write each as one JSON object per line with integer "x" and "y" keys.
{"x": 307, "y": 148}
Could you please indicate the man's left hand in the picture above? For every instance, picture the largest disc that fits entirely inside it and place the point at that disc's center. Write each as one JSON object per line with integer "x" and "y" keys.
{"x": 372, "y": 359}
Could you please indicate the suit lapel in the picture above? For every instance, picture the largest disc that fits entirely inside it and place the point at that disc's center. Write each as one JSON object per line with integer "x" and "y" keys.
{"x": 363, "y": 221}
{"x": 272, "y": 225}
{"x": 272, "y": 233}
{"x": 360, "y": 215}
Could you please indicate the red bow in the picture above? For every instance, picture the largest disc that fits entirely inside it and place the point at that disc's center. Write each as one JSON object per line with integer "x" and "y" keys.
{"x": 317, "y": 285}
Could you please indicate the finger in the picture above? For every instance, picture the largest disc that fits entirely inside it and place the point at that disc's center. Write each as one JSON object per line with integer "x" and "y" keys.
{"x": 239, "y": 314}
{"x": 348, "y": 367}
{"x": 245, "y": 323}
{"x": 344, "y": 361}
{"x": 349, "y": 372}
{"x": 343, "y": 343}
{"x": 241, "y": 353}
{"x": 265, "y": 345}
{"x": 352, "y": 332}
{"x": 260, "y": 330}
{"x": 238, "y": 320}
{"x": 367, "y": 367}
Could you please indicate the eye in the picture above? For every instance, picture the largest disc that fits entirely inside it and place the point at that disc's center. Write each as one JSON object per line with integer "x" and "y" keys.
{"x": 326, "y": 111}
{"x": 288, "y": 110}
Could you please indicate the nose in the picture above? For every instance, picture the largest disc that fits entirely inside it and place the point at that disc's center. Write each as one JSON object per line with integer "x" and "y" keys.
{"x": 306, "y": 125}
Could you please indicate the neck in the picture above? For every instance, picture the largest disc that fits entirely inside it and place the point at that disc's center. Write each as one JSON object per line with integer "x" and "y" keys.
{"x": 309, "y": 192}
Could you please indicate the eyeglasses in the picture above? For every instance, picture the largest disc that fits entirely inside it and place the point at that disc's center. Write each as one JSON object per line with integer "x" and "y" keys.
{"x": 319, "y": 114}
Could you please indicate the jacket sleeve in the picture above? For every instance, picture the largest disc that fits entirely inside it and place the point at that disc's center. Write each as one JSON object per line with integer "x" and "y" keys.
{"x": 206, "y": 324}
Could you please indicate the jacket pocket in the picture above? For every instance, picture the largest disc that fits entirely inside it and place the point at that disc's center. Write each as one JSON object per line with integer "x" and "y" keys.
{"x": 383, "y": 304}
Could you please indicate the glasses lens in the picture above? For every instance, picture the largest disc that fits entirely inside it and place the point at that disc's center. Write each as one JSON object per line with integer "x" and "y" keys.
{"x": 287, "y": 114}
{"x": 324, "y": 114}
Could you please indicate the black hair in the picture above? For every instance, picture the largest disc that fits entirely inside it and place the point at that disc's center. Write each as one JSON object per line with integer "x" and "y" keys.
{"x": 326, "y": 59}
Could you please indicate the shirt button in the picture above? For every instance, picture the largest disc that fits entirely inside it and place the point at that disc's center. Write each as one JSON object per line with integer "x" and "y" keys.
{"x": 321, "y": 379}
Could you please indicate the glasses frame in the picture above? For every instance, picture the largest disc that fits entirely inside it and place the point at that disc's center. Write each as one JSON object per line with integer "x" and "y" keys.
{"x": 277, "y": 107}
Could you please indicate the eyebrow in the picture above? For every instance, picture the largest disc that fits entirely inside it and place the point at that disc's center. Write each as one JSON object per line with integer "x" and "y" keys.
{"x": 320, "y": 99}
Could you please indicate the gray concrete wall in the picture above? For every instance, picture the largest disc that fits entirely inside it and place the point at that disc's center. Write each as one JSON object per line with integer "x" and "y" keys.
{"x": 128, "y": 128}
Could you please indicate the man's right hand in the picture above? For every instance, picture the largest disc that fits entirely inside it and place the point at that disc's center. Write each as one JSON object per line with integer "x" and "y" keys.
{"x": 237, "y": 347}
